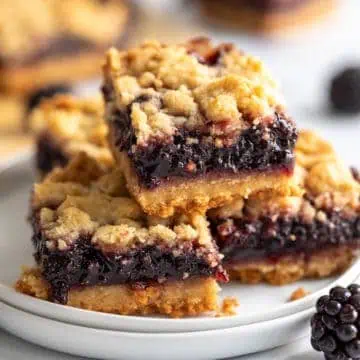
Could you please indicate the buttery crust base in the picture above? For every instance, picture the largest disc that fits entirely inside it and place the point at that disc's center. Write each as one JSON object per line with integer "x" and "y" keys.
{"x": 201, "y": 194}
{"x": 176, "y": 299}
{"x": 267, "y": 23}
{"x": 293, "y": 268}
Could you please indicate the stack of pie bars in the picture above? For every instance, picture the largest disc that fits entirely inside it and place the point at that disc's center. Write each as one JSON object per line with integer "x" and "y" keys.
{"x": 197, "y": 177}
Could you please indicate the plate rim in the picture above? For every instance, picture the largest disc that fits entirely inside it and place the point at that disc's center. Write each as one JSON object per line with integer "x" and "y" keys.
{"x": 135, "y": 323}
{"x": 298, "y": 323}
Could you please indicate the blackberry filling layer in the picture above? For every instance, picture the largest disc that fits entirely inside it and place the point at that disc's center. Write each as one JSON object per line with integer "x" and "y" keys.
{"x": 268, "y": 5}
{"x": 245, "y": 240}
{"x": 84, "y": 265}
{"x": 257, "y": 149}
{"x": 48, "y": 154}
{"x": 281, "y": 239}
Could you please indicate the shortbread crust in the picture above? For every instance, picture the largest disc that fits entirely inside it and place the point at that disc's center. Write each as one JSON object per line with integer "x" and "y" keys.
{"x": 175, "y": 299}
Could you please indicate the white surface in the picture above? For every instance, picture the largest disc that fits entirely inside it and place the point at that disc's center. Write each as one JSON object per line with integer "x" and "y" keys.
{"x": 258, "y": 303}
{"x": 200, "y": 345}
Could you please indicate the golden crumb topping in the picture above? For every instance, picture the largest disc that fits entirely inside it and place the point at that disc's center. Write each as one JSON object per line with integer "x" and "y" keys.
{"x": 194, "y": 86}
{"x": 298, "y": 294}
{"x": 51, "y": 194}
{"x": 312, "y": 149}
{"x": 29, "y": 26}
{"x": 65, "y": 226}
{"x": 75, "y": 125}
{"x": 82, "y": 170}
{"x": 73, "y": 203}
{"x": 327, "y": 182}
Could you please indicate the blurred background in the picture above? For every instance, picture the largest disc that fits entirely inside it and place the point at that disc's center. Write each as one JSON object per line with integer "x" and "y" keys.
{"x": 305, "y": 43}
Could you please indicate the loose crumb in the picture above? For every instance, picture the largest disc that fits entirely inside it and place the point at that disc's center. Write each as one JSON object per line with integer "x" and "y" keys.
{"x": 299, "y": 293}
{"x": 228, "y": 307}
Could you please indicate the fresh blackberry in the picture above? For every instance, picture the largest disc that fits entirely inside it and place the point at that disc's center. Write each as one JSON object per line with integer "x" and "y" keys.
{"x": 37, "y": 96}
{"x": 345, "y": 91}
{"x": 356, "y": 174}
{"x": 335, "y": 327}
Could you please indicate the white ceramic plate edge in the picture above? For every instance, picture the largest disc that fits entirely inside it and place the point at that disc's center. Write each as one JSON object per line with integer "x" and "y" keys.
{"x": 105, "y": 344}
{"x": 154, "y": 324}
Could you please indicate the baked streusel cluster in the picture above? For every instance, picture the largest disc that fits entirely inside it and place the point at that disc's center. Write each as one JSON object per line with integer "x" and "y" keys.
{"x": 218, "y": 91}
{"x": 65, "y": 126}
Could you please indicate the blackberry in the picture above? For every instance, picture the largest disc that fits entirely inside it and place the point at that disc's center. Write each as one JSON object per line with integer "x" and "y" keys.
{"x": 335, "y": 327}
{"x": 37, "y": 96}
{"x": 345, "y": 91}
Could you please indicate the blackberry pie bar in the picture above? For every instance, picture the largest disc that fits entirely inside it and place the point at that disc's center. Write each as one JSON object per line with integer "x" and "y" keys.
{"x": 43, "y": 42}
{"x": 281, "y": 239}
{"x": 64, "y": 126}
{"x": 266, "y": 16}
{"x": 96, "y": 249}
{"x": 194, "y": 126}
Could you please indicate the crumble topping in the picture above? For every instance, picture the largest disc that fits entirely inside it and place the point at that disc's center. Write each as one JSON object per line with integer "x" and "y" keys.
{"x": 112, "y": 183}
{"x": 234, "y": 210}
{"x": 30, "y": 26}
{"x": 218, "y": 91}
{"x": 299, "y": 293}
{"x": 331, "y": 176}
{"x": 79, "y": 17}
{"x": 65, "y": 227}
{"x": 264, "y": 204}
{"x": 75, "y": 125}
{"x": 228, "y": 307}
{"x": 328, "y": 185}
{"x": 104, "y": 209}
{"x": 82, "y": 170}
{"x": 312, "y": 149}
{"x": 80, "y": 205}
{"x": 52, "y": 194}
{"x": 87, "y": 171}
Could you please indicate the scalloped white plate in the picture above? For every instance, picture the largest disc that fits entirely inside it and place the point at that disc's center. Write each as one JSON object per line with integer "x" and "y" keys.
{"x": 200, "y": 345}
{"x": 257, "y": 303}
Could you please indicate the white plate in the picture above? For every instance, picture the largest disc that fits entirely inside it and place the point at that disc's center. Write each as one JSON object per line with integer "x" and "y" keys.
{"x": 106, "y": 344}
{"x": 258, "y": 303}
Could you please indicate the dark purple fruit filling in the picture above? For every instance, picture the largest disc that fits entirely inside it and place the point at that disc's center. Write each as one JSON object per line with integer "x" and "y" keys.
{"x": 35, "y": 98}
{"x": 213, "y": 56}
{"x": 257, "y": 149}
{"x": 335, "y": 325}
{"x": 265, "y": 238}
{"x": 50, "y": 48}
{"x": 268, "y": 5}
{"x": 84, "y": 265}
{"x": 271, "y": 5}
{"x": 48, "y": 155}
{"x": 355, "y": 173}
